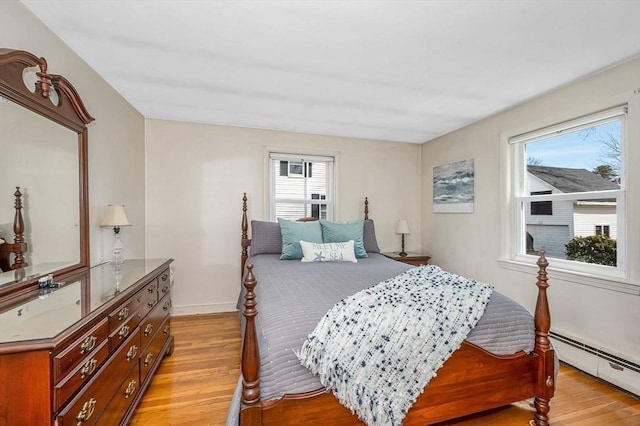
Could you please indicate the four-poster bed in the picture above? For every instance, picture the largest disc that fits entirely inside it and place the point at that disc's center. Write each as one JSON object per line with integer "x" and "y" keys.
{"x": 472, "y": 380}
{"x": 18, "y": 248}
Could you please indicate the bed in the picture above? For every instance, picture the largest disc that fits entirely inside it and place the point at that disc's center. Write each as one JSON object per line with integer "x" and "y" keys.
{"x": 18, "y": 248}
{"x": 490, "y": 369}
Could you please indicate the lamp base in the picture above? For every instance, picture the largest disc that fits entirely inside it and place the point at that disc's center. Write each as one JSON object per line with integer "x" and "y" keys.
{"x": 402, "y": 252}
{"x": 116, "y": 255}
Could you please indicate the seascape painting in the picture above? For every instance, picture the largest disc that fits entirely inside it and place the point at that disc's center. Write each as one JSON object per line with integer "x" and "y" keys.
{"x": 453, "y": 187}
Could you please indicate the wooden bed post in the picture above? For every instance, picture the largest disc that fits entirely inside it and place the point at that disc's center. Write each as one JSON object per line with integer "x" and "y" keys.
{"x": 245, "y": 239}
{"x": 545, "y": 382}
{"x": 366, "y": 208}
{"x": 251, "y": 409}
{"x": 19, "y": 246}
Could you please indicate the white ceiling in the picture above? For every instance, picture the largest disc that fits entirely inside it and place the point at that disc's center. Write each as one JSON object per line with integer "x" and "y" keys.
{"x": 393, "y": 70}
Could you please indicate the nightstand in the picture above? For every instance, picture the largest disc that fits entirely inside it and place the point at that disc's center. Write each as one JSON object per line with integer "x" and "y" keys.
{"x": 414, "y": 259}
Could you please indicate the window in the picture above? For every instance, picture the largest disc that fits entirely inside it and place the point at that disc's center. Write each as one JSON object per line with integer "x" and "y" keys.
{"x": 319, "y": 210}
{"x": 603, "y": 230}
{"x": 300, "y": 186}
{"x": 568, "y": 183}
{"x": 541, "y": 208}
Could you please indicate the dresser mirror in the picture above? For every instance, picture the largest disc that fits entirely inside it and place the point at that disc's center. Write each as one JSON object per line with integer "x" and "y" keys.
{"x": 43, "y": 150}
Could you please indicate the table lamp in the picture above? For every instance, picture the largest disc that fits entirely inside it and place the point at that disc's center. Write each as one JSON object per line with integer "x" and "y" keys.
{"x": 402, "y": 228}
{"x": 115, "y": 217}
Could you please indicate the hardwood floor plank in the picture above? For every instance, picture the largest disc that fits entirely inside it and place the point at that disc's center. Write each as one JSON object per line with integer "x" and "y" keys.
{"x": 194, "y": 386}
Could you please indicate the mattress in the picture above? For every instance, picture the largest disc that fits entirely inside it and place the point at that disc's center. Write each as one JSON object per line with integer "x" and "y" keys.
{"x": 292, "y": 297}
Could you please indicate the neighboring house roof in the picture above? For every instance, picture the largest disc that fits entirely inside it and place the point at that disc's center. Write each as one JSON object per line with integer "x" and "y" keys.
{"x": 572, "y": 180}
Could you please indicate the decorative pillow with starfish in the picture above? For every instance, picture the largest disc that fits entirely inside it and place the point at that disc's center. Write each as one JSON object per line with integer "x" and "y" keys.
{"x": 328, "y": 252}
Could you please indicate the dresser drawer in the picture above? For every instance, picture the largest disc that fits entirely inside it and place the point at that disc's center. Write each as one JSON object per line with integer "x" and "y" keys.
{"x": 88, "y": 405}
{"x": 126, "y": 328}
{"x": 80, "y": 375}
{"x": 78, "y": 351}
{"x": 150, "y": 302}
{"x": 120, "y": 315}
{"x": 121, "y": 400}
{"x": 151, "y": 324}
{"x": 164, "y": 282}
{"x": 153, "y": 352}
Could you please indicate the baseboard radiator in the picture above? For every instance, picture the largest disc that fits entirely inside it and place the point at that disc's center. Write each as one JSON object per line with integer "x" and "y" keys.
{"x": 600, "y": 362}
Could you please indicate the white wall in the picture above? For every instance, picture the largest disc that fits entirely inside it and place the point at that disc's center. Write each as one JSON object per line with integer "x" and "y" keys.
{"x": 470, "y": 244}
{"x": 196, "y": 175}
{"x": 116, "y": 137}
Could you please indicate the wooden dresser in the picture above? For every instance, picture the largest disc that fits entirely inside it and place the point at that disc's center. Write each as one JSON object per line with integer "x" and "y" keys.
{"x": 83, "y": 354}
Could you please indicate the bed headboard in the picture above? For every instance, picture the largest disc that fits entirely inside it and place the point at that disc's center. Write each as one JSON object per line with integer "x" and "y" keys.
{"x": 18, "y": 248}
{"x": 246, "y": 241}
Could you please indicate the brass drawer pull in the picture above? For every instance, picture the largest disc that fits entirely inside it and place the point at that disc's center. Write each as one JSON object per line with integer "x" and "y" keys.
{"x": 88, "y": 344}
{"x": 131, "y": 388}
{"x": 165, "y": 331}
{"x": 147, "y": 359}
{"x": 151, "y": 304}
{"x": 166, "y": 306}
{"x": 124, "y": 312}
{"x": 123, "y": 332}
{"x": 164, "y": 277}
{"x": 165, "y": 289}
{"x": 88, "y": 368}
{"x": 133, "y": 350}
{"x": 151, "y": 289}
{"x": 148, "y": 329}
{"x": 86, "y": 412}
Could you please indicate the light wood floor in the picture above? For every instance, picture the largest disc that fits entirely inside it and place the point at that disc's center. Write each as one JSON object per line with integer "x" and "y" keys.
{"x": 194, "y": 386}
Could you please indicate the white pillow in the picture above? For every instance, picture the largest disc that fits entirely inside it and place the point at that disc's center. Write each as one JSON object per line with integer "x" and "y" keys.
{"x": 328, "y": 252}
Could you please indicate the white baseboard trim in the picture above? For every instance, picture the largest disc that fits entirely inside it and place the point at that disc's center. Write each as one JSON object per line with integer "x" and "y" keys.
{"x": 211, "y": 308}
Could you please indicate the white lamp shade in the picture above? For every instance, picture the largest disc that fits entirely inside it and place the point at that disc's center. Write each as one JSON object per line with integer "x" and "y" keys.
{"x": 403, "y": 227}
{"x": 115, "y": 216}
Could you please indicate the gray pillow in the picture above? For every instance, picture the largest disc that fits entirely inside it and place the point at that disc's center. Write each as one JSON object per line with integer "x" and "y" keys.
{"x": 265, "y": 238}
{"x": 369, "y": 236}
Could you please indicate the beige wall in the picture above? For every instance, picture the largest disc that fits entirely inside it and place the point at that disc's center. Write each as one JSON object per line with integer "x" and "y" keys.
{"x": 116, "y": 137}
{"x": 470, "y": 244}
{"x": 196, "y": 175}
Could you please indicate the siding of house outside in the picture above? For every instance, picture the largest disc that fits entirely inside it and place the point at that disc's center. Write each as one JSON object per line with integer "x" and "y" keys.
{"x": 587, "y": 216}
{"x": 549, "y": 232}
{"x": 298, "y": 188}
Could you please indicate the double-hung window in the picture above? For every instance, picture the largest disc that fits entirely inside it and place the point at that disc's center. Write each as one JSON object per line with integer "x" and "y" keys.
{"x": 301, "y": 186}
{"x": 568, "y": 193}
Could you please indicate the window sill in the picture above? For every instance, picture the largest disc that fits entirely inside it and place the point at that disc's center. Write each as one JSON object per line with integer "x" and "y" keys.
{"x": 620, "y": 285}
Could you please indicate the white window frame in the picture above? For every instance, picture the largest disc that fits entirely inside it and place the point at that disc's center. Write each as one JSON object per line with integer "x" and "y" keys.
{"x": 329, "y": 201}
{"x": 519, "y": 198}
{"x": 604, "y": 230}
{"x": 295, "y": 163}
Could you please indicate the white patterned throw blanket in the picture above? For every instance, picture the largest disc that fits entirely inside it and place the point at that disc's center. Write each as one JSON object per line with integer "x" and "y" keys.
{"x": 378, "y": 349}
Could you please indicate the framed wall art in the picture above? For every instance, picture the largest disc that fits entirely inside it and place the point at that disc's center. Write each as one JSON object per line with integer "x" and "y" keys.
{"x": 453, "y": 187}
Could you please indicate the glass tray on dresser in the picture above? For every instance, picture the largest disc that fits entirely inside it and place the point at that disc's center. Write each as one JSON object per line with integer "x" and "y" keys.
{"x": 46, "y": 313}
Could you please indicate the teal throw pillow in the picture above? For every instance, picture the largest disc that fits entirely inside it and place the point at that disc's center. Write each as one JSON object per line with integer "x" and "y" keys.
{"x": 293, "y": 233}
{"x": 339, "y": 232}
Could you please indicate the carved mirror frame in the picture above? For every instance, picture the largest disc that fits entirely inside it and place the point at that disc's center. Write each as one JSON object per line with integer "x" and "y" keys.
{"x": 69, "y": 112}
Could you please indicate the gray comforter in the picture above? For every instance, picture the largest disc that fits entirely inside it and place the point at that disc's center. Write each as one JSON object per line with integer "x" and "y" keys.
{"x": 293, "y": 296}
